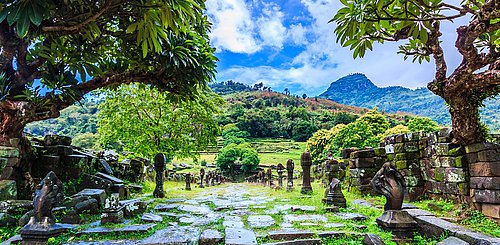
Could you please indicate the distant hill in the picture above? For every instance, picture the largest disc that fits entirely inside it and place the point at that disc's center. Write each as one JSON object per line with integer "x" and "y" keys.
{"x": 357, "y": 90}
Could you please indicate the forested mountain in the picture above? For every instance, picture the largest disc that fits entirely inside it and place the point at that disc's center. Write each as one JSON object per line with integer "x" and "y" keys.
{"x": 357, "y": 90}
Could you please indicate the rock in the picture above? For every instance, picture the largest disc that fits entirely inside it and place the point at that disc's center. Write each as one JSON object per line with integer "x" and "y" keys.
{"x": 233, "y": 222}
{"x": 201, "y": 210}
{"x": 58, "y": 150}
{"x": 133, "y": 207}
{"x": 260, "y": 221}
{"x": 210, "y": 237}
{"x": 125, "y": 229}
{"x": 239, "y": 236}
{"x": 338, "y": 234}
{"x": 95, "y": 182}
{"x": 89, "y": 206}
{"x": 112, "y": 179}
{"x": 362, "y": 203}
{"x": 334, "y": 225}
{"x": 351, "y": 216}
{"x": 151, "y": 218}
{"x": 372, "y": 239}
{"x": 166, "y": 207}
{"x": 290, "y": 218}
{"x": 288, "y": 235}
{"x": 7, "y": 220}
{"x": 16, "y": 207}
{"x": 8, "y": 190}
{"x": 298, "y": 242}
{"x": 418, "y": 212}
{"x": 173, "y": 235}
{"x": 453, "y": 241}
{"x": 51, "y": 140}
{"x": 175, "y": 200}
{"x": 98, "y": 194}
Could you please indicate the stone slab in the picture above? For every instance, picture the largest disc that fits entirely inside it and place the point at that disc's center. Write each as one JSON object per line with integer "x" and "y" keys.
{"x": 289, "y": 235}
{"x": 98, "y": 194}
{"x": 260, "y": 221}
{"x": 351, "y": 216}
{"x": 173, "y": 235}
{"x": 290, "y": 218}
{"x": 210, "y": 237}
{"x": 233, "y": 222}
{"x": 125, "y": 229}
{"x": 453, "y": 241}
{"x": 372, "y": 239}
{"x": 111, "y": 178}
{"x": 151, "y": 218}
{"x": 419, "y": 212}
{"x": 298, "y": 242}
{"x": 166, "y": 207}
{"x": 239, "y": 236}
{"x": 362, "y": 203}
{"x": 485, "y": 183}
{"x": 337, "y": 234}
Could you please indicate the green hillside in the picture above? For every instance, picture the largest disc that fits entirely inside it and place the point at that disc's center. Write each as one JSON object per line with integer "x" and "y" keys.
{"x": 357, "y": 90}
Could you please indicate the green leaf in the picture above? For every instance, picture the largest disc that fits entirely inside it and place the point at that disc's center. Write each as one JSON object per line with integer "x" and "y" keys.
{"x": 36, "y": 14}
{"x": 22, "y": 26}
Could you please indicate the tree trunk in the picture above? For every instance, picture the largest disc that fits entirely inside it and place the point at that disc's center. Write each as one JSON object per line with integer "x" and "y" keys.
{"x": 13, "y": 117}
{"x": 465, "y": 119}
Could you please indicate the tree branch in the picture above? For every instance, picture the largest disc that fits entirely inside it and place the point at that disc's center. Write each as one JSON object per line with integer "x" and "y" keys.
{"x": 77, "y": 27}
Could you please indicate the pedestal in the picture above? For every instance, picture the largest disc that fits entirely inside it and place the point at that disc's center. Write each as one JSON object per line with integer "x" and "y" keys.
{"x": 400, "y": 223}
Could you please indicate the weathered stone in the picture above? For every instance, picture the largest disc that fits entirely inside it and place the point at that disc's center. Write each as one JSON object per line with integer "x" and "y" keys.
{"x": 120, "y": 230}
{"x": 133, "y": 207}
{"x": 362, "y": 203}
{"x": 290, "y": 218}
{"x": 368, "y": 153}
{"x": 111, "y": 178}
{"x": 453, "y": 241}
{"x": 477, "y": 147}
{"x": 298, "y": 242}
{"x": 239, "y": 236}
{"x": 351, "y": 216}
{"x": 210, "y": 237}
{"x": 89, "y": 206}
{"x": 8, "y": 190}
{"x": 306, "y": 162}
{"x": 443, "y": 149}
{"x": 51, "y": 140}
{"x": 487, "y": 169}
{"x": 485, "y": 183}
{"x": 400, "y": 223}
{"x": 201, "y": 209}
{"x": 372, "y": 239}
{"x": 260, "y": 221}
{"x": 95, "y": 182}
{"x": 364, "y": 162}
{"x": 112, "y": 210}
{"x": 418, "y": 212}
{"x": 454, "y": 175}
{"x": 98, "y": 194}
{"x": 166, "y": 207}
{"x": 491, "y": 210}
{"x": 290, "y": 234}
{"x": 151, "y": 218}
{"x": 489, "y": 155}
{"x": 233, "y": 222}
{"x": 486, "y": 196}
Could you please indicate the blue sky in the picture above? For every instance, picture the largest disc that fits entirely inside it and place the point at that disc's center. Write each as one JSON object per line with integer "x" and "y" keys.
{"x": 290, "y": 44}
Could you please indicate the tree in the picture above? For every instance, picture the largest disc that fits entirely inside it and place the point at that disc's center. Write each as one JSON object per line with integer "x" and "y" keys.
{"x": 362, "y": 22}
{"x": 423, "y": 124}
{"x": 145, "y": 121}
{"x": 234, "y": 154}
{"x": 56, "y": 52}
{"x": 398, "y": 129}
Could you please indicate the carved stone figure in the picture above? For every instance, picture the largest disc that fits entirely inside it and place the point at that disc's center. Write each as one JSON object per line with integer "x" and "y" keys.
{"x": 159, "y": 164}
{"x": 207, "y": 178}
{"x": 389, "y": 182}
{"x": 280, "y": 169}
{"x": 289, "y": 168}
{"x": 187, "y": 178}
{"x": 270, "y": 177}
{"x": 334, "y": 195}
{"x": 42, "y": 225}
{"x": 202, "y": 175}
{"x": 306, "y": 162}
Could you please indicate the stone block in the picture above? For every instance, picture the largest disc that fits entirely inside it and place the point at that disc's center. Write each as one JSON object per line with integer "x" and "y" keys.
{"x": 400, "y": 164}
{"x": 414, "y": 193}
{"x": 491, "y": 210}
{"x": 210, "y": 237}
{"x": 8, "y": 152}
{"x": 379, "y": 151}
{"x": 363, "y": 153}
{"x": 456, "y": 188}
{"x": 48, "y": 160}
{"x": 98, "y": 194}
{"x": 9, "y": 162}
{"x": 486, "y": 169}
{"x": 60, "y": 150}
{"x": 413, "y": 180}
{"x": 411, "y": 146}
{"x": 95, "y": 182}
{"x": 7, "y": 173}
{"x": 364, "y": 162}
{"x": 379, "y": 161}
{"x": 443, "y": 149}
{"x": 8, "y": 190}
{"x": 439, "y": 174}
{"x": 346, "y": 153}
{"x": 486, "y": 196}
{"x": 481, "y": 147}
{"x": 407, "y": 156}
{"x": 455, "y": 175}
{"x": 113, "y": 179}
{"x": 489, "y": 156}
{"x": 399, "y": 148}
{"x": 485, "y": 183}
{"x": 399, "y": 138}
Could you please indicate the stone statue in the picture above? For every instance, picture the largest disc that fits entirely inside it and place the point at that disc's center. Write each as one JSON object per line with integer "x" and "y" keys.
{"x": 306, "y": 162}
{"x": 42, "y": 225}
{"x": 187, "y": 178}
{"x": 280, "y": 169}
{"x": 289, "y": 168}
{"x": 334, "y": 195}
{"x": 389, "y": 182}
{"x": 159, "y": 164}
{"x": 207, "y": 178}
{"x": 270, "y": 177}
{"x": 112, "y": 211}
{"x": 202, "y": 175}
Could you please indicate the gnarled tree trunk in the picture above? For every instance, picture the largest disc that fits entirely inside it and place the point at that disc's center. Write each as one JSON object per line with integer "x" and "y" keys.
{"x": 465, "y": 119}
{"x": 13, "y": 119}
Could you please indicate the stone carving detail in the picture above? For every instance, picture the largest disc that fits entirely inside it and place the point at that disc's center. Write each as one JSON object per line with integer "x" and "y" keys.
{"x": 334, "y": 195}
{"x": 159, "y": 164}
{"x": 42, "y": 225}
{"x": 306, "y": 162}
{"x": 112, "y": 211}
{"x": 188, "y": 178}
{"x": 289, "y": 168}
{"x": 389, "y": 182}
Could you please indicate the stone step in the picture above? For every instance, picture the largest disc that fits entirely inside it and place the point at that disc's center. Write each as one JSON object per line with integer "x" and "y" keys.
{"x": 239, "y": 236}
{"x": 290, "y": 235}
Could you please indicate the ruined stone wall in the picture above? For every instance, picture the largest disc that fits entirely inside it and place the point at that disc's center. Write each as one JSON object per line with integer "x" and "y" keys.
{"x": 433, "y": 167}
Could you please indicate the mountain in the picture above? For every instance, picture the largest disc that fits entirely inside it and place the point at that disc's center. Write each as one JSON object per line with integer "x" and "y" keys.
{"x": 357, "y": 90}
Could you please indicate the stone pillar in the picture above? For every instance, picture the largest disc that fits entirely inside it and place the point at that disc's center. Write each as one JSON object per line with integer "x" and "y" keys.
{"x": 289, "y": 168}
{"x": 280, "y": 170}
{"x": 112, "y": 211}
{"x": 207, "y": 178}
{"x": 202, "y": 175}
{"x": 270, "y": 177}
{"x": 187, "y": 178}
{"x": 159, "y": 164}
{"x": 306, "y": 162}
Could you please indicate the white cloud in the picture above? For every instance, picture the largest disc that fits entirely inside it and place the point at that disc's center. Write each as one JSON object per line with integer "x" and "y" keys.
{"x": 298, "y": 34}
{"x": 270, "y": 25}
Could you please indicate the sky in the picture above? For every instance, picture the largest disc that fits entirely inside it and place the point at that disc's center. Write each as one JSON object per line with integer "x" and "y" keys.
{"x": 290, "y": 44}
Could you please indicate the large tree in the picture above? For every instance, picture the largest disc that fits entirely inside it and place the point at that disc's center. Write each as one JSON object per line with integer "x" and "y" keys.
{"x": 362, "y": 22}
{"x": 54, "y": 52}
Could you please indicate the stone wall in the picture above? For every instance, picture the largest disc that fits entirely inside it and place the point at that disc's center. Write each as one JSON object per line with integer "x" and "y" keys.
{"x": 433, "y": 167}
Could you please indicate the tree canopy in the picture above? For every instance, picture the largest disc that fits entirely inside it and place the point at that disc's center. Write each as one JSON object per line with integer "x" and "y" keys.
{"x": 360, "y": 23}
{"x": 144, "y": 121}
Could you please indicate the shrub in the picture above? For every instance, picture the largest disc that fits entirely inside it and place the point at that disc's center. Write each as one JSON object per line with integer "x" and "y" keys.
{"x": 233, "y": 154}
{"x": 422, "y": 124}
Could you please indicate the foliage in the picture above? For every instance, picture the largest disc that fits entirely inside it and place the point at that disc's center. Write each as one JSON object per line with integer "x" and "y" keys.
{"x": 146, "y": 121}
{"x": 103, "y": 44}
{"x": 398, "y": 129}
{"x": 229, "y": 87}
{"x": 237, "y": 155}
{"x": 422, "y": 124}
{"x": 87, "y": 141}
{"x": 317, "y": 144}
{"x": 476, "y": 220}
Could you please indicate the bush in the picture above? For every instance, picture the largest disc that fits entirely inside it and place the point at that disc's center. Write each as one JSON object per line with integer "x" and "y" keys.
{"x": 398, "y": 129}
{"x": 203, "y": 163}
{"x": 422, "y": 124}
{"x": 233, "y": 154}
